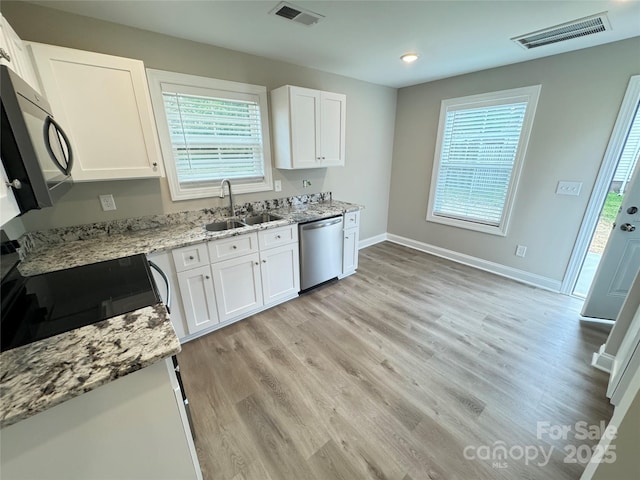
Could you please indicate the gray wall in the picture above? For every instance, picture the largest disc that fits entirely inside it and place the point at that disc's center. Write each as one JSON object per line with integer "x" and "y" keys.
{"x": 370, "y": 121}
{"x": 581, "y": 94}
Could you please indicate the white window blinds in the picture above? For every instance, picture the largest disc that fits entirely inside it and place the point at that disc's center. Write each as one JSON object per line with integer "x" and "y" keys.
{"x": 214, "y": 137}
{"x": 478, "y": 152}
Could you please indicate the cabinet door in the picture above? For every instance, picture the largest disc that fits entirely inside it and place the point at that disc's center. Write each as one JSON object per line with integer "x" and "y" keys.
{"x": 332, "y": 129}
{"x": 280, "y": 269}
{"x": 237, "y": 285}
{"x": 198, "y": 298}
{"x": 350, "y": 251}
{"x": 8, "y": 205}
{"x": 305, "y": 127}
{"x": 103, "y": 101}
{"x": 19, "y": 59}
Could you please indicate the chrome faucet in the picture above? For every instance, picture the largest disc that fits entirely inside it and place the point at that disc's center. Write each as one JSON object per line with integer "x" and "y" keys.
{"x": 231, "y": 208}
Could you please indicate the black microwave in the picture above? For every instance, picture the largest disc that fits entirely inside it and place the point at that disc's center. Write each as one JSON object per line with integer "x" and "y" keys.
{"x": 35, "y": 150}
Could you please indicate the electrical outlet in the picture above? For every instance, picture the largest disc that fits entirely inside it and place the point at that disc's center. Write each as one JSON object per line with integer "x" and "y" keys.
{"x": 277, "y": 185}
{"x": 107, "y": 202}
{"x": 306, "y": 183}
{"x": 569, "y": 188}
{"x": 521, "y": 251}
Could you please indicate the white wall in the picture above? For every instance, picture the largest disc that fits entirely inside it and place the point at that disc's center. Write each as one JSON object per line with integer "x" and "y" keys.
{"x": 370, "y": 120}
{"x": 580, "y": 97}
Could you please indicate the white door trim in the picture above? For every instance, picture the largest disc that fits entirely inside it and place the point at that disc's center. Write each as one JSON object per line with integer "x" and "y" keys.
{"x": 601, "y": 187}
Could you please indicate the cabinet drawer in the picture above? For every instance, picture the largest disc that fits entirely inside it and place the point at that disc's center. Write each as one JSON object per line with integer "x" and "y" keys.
{"x": 189, "y": 257}
{"x": 233, "y": 247}
{"x": 351, "y": 220}
{"x": 277, "y": 236}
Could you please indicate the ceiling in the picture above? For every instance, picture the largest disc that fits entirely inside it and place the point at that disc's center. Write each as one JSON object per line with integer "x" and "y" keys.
{"x": 364, "y": 39}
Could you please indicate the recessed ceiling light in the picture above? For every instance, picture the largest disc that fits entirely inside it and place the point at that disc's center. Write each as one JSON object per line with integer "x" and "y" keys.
{"x": 409, "y": 57}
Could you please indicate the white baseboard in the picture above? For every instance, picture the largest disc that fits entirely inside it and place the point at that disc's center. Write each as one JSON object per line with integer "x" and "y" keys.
{"x": 492, "y": 267}
{"x": 602, "y": 360}
{"x": 367, "y": 242}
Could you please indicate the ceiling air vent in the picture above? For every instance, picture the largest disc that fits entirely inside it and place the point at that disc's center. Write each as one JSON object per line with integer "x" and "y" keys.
{"x": 559, "y": 33}
{"x": 296, "y": 14}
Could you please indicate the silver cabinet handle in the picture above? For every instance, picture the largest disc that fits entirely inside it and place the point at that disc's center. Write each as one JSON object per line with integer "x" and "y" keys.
{"x": 278, "y": 237}
{"x": 234, "y": 247}
{"x": 190, "y": 257}
{"x": 627, "y": 227}
{"x": 264, "y": 261}
{"x": 5, "y": 55}
{"x": 207, "y": 277}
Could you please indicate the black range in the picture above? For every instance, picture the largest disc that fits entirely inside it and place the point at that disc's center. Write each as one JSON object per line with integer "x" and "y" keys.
{"x": 41, "y": 306}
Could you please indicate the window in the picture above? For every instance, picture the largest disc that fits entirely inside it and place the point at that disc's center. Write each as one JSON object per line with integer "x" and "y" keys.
{"x": 478, "y": 159}
{"x": 211, "y": 130}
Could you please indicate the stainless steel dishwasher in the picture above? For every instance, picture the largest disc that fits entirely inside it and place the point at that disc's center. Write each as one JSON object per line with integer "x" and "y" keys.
{"x": 320, "y": 251}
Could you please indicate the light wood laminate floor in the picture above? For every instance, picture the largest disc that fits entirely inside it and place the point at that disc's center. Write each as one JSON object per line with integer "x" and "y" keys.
{"x": 399, "y": 372}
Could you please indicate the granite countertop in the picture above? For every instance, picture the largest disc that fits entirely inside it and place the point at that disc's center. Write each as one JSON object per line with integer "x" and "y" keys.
{"x": 43, "y": 374}
{"x": 163, "y": 237}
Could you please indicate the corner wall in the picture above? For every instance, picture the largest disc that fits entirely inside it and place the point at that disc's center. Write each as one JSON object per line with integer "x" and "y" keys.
{"x": 579, "y": 102}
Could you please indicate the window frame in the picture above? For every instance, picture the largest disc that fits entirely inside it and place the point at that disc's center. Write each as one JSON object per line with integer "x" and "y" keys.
{"x": 529, "y": 94}
{"x": 156, "y": 80}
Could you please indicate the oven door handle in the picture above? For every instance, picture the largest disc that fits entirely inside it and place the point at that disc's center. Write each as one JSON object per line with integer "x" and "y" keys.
{"x": 166, "y": 281}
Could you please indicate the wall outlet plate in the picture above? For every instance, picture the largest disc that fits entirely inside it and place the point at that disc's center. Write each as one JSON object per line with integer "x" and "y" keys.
{"x": 277, "y": 185}
{"x": 569, "y": 188}
{"x": 107, "y": 202}
{"x": 521, "y": 251}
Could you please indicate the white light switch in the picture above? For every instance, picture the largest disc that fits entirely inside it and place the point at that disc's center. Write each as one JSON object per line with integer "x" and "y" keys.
{"x": 569, "y": 188}
{"x": 278, "y": 185}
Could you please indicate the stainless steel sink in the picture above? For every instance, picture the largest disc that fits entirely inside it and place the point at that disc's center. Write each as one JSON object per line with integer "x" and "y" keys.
{"x": 262, "y": 218}
{"x": 223, "y": 225}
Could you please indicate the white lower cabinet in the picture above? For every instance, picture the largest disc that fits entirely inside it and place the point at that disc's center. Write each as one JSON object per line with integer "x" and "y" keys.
{"x": 224, "y": 280}
{"x": 280, "y": 269}
{"x": 238, "y": 286}
{"x": 351, "y": 242}
{"x": 198, "y": 298}
{"x": 350, "y": 251}
{"x": 132, "y": 427}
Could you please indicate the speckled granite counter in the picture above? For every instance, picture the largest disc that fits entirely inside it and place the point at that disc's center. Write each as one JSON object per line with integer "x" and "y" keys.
{"x": 43, "y": 374}
{"x": 100, "y": 246}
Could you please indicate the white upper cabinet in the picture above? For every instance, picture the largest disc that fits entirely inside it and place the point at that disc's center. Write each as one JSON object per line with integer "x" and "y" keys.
{"x": 104, "y": 103}
{"x": 14, "y": 55}
{"x": 309, "y": 127}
